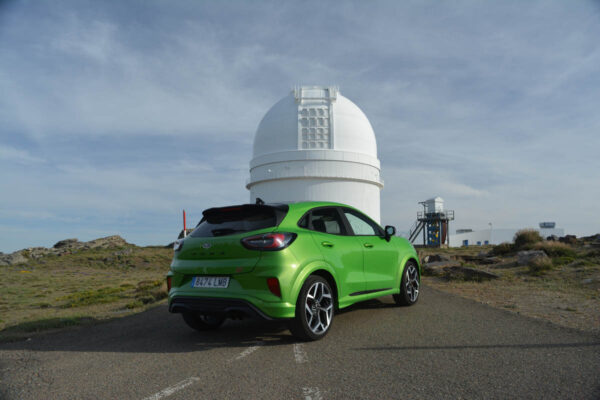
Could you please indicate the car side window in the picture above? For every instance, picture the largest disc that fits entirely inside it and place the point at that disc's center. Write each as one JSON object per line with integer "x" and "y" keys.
{"x": 361, "y": 225}
{"x": 327, "y": 220}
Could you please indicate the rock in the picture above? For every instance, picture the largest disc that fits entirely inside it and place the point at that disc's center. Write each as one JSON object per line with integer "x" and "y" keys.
{"x": 526, "y": 257}
{"x": 39, "y": 252}
{"x": 62, "y": 247}
{"x": 436, "y": 258}
{"x": 490, "y": 260}
{"x": 107, "y": 242}
{"x": 66, "y": 243}
{"x": 468, "y": 274}
{"x": 13, "y": 259}
{"x": 123, "y": 252}
{"x": 437, "y": 268}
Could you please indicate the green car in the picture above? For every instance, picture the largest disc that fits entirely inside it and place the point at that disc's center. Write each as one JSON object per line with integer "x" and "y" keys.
{"x": 298, "y": 262}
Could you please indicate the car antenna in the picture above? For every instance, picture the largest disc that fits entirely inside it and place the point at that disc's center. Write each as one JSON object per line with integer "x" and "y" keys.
{"x": 259, "y": 201}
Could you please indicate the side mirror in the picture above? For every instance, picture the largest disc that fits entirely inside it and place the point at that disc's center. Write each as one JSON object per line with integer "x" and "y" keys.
{"x": 389, "y": 232}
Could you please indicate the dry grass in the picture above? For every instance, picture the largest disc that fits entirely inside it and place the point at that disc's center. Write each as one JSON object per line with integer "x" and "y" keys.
{"x": 539, "y": 266}
{"x": 84, "y": 287}
{"x": 555, "y": 249}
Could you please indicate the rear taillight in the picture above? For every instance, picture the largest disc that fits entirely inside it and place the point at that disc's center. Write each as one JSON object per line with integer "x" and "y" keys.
{"x": 273, "y": 284}
{"x": 168, "y": 284}
{"x": 269, "y": 241}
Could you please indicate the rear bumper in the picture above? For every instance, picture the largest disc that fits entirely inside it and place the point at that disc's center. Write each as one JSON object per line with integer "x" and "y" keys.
{"x": 217, "y": 306}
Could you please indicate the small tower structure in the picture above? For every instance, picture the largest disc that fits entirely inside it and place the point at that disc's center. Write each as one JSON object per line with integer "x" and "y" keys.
{"x": 433, "y": 222}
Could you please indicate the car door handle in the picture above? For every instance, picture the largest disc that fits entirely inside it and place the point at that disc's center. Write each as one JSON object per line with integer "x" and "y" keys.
{"x": 368, "y": 245}
{"x": 327, "y": 244}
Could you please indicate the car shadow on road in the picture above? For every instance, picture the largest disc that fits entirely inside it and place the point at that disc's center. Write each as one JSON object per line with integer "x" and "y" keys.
{"x": 156, "y": 331}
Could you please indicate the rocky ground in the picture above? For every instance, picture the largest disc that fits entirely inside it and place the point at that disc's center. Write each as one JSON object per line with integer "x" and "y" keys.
{"x": 554, "y": 281}
{"x": 61, "y": 248}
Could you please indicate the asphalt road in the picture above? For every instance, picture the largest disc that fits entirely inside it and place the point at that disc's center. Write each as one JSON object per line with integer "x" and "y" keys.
{"x": 443, "y": 347}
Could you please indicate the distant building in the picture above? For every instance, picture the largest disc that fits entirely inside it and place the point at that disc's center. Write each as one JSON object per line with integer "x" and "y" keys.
{"x": 316, "y": 145}
{"x": 468, "y": 237}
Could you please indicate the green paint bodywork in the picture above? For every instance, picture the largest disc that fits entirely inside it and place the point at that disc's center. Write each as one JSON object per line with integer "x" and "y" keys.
{"x": 349, "y": 265}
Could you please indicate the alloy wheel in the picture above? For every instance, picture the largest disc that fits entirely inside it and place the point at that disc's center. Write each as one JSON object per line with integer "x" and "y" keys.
{"x": 318, "y": 307}
{"x": 412, "y": 283}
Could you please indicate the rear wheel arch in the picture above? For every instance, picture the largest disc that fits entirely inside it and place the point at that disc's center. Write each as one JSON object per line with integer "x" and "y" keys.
{"x": 404, "y": 263}
{"x": 319, "y": 269}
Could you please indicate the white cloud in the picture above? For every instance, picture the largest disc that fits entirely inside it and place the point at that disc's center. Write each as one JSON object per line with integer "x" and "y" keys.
{"x": 13, "y": 155}
{"x": 491, "y": 106}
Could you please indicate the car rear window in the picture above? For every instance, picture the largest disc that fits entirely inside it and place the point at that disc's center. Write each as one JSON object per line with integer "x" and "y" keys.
{"x": 237, "y": 219}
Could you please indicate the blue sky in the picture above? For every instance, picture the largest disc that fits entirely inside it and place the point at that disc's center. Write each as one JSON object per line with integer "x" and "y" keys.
{"x": 114, "y": 116}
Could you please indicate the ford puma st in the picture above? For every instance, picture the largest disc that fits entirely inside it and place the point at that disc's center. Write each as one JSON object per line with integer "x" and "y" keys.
{"x": 298, "y": 262}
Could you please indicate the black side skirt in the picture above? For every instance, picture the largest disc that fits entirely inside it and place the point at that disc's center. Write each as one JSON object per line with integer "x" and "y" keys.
{"x": 369, "y": 291}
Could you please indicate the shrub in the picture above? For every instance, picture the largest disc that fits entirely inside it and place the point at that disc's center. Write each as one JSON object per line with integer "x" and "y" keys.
{"x": 556, "y": 249}
{"x": 540, "y": 266}
{"x": 503, "y": 249}
{"x": 569, "y": 239}
{"x": 594, "y": 253}
{"x": 562, "y": 260}
{"x": 526, "y": 238}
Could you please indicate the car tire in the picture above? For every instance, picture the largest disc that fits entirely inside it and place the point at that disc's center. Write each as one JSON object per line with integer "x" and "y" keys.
{"x": 315, "y": 308}
{"x": 202, "y": 322}
{"x": 409, "y": 285}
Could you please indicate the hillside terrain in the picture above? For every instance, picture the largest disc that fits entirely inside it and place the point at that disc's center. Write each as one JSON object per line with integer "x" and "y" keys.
{"x": 76, "y": 283}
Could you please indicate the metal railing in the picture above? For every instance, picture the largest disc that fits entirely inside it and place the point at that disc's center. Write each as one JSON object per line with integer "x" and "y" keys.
{"x": 447, "y": 215}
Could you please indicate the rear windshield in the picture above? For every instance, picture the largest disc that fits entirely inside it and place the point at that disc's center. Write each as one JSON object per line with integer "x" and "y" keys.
{"x": 231, "y": 220}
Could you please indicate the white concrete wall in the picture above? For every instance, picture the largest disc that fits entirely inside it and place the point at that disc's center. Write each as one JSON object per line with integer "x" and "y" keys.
{"x": 496, "y": 236}
{"x": 361, "y": 195}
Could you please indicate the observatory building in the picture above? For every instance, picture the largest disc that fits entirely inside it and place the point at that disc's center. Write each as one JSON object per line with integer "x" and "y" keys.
{"x": 315, "y": 144}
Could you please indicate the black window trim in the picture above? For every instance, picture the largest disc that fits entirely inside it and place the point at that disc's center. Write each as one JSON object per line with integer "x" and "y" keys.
{"x": 353, "y": 211}
{"x": 345, "y": 226}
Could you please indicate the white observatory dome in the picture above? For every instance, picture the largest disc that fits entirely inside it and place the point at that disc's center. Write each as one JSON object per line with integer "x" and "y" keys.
{"x": 315, "y": 144}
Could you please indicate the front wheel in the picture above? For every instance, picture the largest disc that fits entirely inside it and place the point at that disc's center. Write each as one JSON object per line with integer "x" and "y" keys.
{"x": 202, "y": 322}
{"x": 314, "y": 310}
{"x": 410, "y": 285}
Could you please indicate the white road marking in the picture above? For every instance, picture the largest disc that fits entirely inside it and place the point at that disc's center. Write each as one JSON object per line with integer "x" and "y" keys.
{"x": 299, "y": 353}
{"x": 172, "y": 389}
{"x": 311, "y": 393}
{"x": 248, "y": 351}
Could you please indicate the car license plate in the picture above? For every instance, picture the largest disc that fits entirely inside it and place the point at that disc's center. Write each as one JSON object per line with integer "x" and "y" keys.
{"x": 216, "y": 282}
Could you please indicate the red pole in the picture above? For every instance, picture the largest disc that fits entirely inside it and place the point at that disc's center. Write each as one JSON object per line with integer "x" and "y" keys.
{"x": 184, "y": 231}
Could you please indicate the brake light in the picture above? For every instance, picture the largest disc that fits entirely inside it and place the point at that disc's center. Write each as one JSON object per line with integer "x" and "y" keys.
{"x": 269, "y": 241}
{"x": 168, "y": 284}
{"x": 273, "y": 284}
